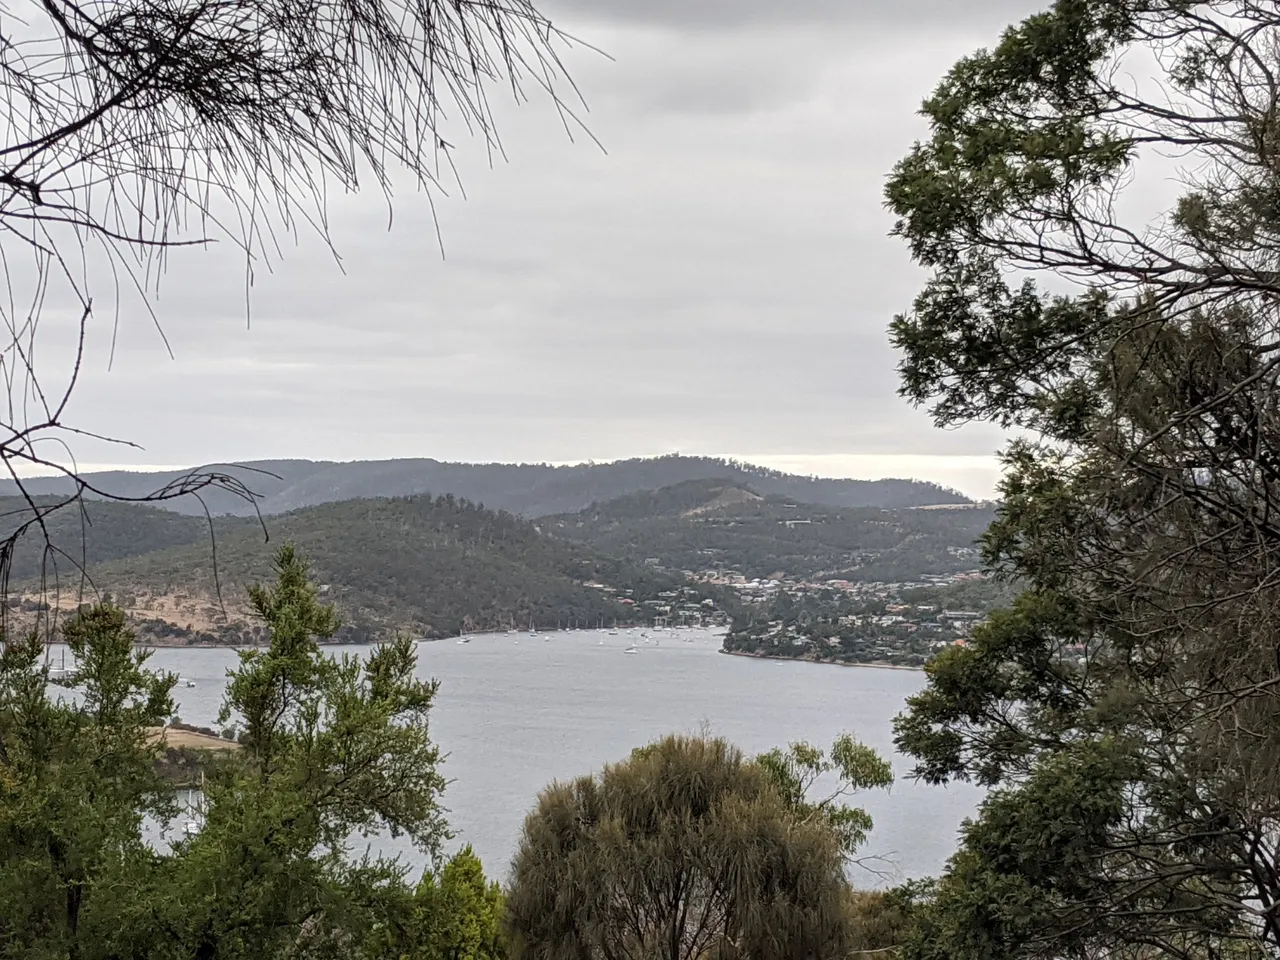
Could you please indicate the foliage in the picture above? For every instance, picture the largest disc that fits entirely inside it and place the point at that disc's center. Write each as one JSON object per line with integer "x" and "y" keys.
{"x": 76, "y": 780}
{"x": 98, "y": 531}
{"x": 683, "y": 850}
{"x": 458, "y": 912}
{"x": 881, "y": 920}
{"x": 333, "y": 749}
{"x": 982, "y": 595}
{"x": 1125, "y": 708}
{"x": 425, "y": 565}
{"x": 795, "y": 771}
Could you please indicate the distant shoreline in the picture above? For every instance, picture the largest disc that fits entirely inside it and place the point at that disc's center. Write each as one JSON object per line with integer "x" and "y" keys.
{"x": 153, "y": 645}
{"x": 830, "y": 663}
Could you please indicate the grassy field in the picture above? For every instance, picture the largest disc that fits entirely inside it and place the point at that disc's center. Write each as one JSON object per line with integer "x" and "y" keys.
{"x": 190, "y": 740}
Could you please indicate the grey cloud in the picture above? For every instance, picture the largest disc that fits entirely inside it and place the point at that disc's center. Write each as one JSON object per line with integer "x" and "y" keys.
{"x": 719, "y": 281}
{"x": 737, "y": 13}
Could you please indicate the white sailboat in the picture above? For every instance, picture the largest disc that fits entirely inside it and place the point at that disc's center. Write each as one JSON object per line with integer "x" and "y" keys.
{"x": 632, "y": 649}
{"x": 59, "y": 674}
{"x": 195, "y": 813}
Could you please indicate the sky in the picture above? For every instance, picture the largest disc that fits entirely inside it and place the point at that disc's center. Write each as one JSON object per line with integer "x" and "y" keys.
{"x": 715, "y": 276}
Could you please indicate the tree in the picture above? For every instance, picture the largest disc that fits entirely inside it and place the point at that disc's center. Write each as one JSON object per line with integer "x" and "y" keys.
{"x": 686, "y": 849}
{"x": 76, "y": 779}
{"x": 796, "y": 770}
{"x": 333, "y": 749}
{"x": 458, "y": 914}
{"x": 135, "y": 127}
{"x": 1124, "y": 708}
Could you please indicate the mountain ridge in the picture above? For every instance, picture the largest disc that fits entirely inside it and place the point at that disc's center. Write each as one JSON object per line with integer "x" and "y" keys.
{"x": 722, "y": 525}
{"x": 530, "y": 490}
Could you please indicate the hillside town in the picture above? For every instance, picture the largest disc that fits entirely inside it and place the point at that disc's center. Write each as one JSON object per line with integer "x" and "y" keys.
{"x": 893, "y": 623}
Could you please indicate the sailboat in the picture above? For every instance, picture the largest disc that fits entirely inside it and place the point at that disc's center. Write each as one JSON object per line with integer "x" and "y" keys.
{"x": 57, "y": 674}
{"x": 195, "y": 815}
{"x": 632, "y": 649}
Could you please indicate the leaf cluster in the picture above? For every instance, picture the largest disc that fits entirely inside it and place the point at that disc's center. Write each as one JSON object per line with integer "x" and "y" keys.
{"x": 333, "y": 749}
{"x": 686, "y": 849}
{"x": 1126, "y": 708}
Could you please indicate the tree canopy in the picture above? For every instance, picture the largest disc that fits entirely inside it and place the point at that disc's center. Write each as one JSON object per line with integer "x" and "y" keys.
{"x": 688, "y": 850}
{"x": 332, "y": 750}
{"x": 1124, "y": 709}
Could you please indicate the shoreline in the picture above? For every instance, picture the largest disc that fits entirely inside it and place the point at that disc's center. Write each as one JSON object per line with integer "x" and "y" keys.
{"x": 160, "y": 645}
{"x": 826, "y": 663}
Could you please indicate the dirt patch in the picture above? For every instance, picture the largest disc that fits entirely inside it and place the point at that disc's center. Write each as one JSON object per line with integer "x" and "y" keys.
{"x": 728, "y": 497}
{"x": 189, "y": 739}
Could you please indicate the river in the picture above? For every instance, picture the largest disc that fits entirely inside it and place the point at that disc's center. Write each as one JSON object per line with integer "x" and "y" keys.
{"x": 517, "y": 711}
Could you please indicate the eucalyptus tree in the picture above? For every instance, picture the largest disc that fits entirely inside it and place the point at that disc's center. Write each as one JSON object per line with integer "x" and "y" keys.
{"x": 1126, "y": 709}
{"x": 797, "y": 770}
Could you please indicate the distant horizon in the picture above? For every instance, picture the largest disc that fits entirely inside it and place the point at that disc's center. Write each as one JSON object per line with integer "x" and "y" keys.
{"x": 973, "y": 476}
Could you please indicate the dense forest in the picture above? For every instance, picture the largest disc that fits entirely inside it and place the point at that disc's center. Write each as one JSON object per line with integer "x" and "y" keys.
{"x": 430, "y": 566}
{"x": 720, "y": 524}
{"x": 531, "y": 490}
{"x": 90, "y": 532}
{"x": 434, "y": 566}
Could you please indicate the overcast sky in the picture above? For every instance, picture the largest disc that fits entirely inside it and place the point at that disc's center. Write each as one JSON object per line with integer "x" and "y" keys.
{"x": 718, "y": 282}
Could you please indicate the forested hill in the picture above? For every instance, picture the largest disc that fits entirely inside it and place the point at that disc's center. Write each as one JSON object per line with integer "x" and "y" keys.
{"x": 531, "y": 490}
{"x": 723, "y": 525}
{"x": 423, "y": 565}
{"x": 89, "y": 533}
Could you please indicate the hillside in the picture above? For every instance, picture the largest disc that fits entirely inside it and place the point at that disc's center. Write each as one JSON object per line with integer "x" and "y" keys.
{"x": 723, "y": 525}
{"x": 423, "y": 565}
{"x": 92, "y": 532}
{"x": 531, "y": 490}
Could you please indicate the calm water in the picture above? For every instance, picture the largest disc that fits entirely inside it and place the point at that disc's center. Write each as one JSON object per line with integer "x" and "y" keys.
{"x": 515, "y": 712}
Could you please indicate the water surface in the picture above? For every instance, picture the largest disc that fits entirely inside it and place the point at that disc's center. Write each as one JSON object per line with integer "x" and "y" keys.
{"x": 518, "y": 711}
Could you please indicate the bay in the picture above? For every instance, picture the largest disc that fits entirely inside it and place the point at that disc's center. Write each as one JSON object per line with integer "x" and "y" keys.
{"x": 515, "y": 712}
